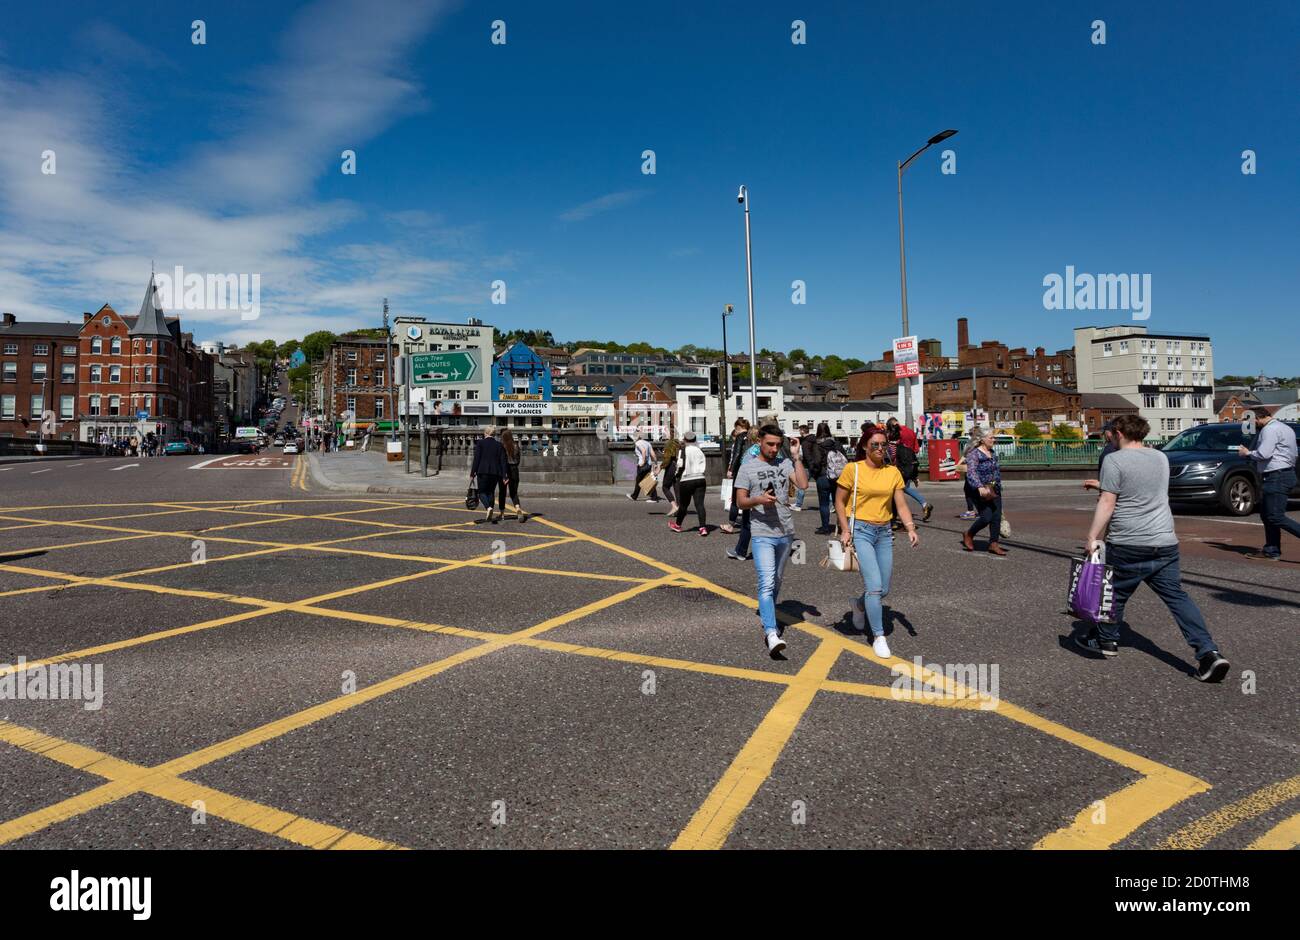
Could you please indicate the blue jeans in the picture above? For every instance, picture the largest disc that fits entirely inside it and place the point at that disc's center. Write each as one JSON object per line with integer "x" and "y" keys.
{"x": 875, "y": 547}
{"x": 770, "y": 556}
{"x": 911, "y": 490}
{"x": 798, "y": 497}
{"x": 1158, "y": 567}
{"x": 1272, "y": 510}
{"x": 825, "y": 485}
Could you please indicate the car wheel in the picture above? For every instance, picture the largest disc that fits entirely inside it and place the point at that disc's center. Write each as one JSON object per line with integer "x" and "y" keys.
{"x": 1238, "y": 495}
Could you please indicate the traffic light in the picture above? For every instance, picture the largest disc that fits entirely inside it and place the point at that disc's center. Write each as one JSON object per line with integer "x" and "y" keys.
{"x": 714, "y": 373}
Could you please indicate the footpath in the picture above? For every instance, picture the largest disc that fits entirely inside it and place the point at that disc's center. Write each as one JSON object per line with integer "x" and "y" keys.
{"x": 371, "y": 472}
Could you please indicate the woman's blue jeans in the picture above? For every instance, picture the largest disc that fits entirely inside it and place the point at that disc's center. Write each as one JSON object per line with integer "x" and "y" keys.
{"x": 874, "y": 545}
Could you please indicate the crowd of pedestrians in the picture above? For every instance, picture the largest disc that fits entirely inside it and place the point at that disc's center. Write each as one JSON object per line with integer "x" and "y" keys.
{"x": 873, "y": 489}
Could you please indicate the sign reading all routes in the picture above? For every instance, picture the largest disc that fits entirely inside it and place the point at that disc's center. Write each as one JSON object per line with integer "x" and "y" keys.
{"x": 458, "y": 367}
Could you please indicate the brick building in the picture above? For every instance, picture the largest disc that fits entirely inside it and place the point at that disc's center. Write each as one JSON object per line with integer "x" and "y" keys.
{"x": 1054, "y": 369}
{"x": 357, "y": 376}
{"x": 1101, "y": 407}
{"x": 1007, "y": 398}
{"x": 38, "y": 373}
{"x": 142, "y": 374}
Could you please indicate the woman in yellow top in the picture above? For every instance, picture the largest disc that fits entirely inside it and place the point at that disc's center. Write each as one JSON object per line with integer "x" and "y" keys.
{"x": 872, "y": 486}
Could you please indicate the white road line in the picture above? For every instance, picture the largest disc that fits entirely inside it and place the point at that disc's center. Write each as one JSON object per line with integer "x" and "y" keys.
{"x": 203, "y": 463}
{"x": 125, "y": 466}
{"x": 71, "y": 465}
{"x": 46, "y": 470}
{"x": 1177, "y": 519}
{"x": 3, "y": 469}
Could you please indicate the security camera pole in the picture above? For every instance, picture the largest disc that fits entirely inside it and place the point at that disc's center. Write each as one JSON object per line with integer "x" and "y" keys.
{"x": 743, "y": 198}
{"x": 902, "y": 257}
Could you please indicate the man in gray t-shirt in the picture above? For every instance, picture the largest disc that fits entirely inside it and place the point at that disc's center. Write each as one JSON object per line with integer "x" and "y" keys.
{"x": 763, "y": 488}
{"x": 1141, "y": 546}
{"x": 1139, "y": 478}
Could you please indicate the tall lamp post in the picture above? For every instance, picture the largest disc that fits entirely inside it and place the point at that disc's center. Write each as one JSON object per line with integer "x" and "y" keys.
{"x": 724, "y": 377}
{"x": 902, "y": 255}
{"x": 742, "y": 197}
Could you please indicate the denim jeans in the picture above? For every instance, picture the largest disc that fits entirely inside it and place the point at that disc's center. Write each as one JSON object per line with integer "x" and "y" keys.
{"x": 742, "y": 540}
{"x": 990, "y": 514}
{"x": 1158, "y": 567}
{"x": 770, "y": 556}
{"x": 1272, "y": 510}
{"x": 487, "y": 487}
{"x": 874, "y": 545}
{"x": 798, "y": 497}
{"x": 825, "y": 485}
{"x": 911, "y": 490}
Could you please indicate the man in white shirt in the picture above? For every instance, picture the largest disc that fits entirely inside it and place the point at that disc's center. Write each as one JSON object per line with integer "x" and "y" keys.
{"x": 645, "y": 461}
{"x": 1275, "y": 456}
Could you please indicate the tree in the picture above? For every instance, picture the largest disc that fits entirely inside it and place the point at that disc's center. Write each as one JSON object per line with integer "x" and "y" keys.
{"x": 1027, "y": 430}
{"x": 798, "y": 355}
{"x": 316, "y": 345}
{"x": 287, "y": 348}
{"x": 1063, "y": 432}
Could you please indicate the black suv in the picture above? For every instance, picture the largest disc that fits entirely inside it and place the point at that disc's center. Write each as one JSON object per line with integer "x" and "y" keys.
{"x": 1204, "y": 467}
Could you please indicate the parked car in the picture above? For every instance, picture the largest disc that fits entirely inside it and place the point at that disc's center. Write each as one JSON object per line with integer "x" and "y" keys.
{"x": 1204, "y": 467}
{"x": 279, "y": 440}
{"x": 291, "y": 447}
{"x": 244, "y": 446}
{"x": 178, "y": 447}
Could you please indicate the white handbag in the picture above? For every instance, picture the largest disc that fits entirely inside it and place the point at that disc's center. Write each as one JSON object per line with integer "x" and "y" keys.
{"x": 728, "y": 485}
{"x": 837, "y": 556}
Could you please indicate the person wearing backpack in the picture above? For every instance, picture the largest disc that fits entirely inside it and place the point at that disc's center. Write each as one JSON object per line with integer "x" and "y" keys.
{"x": 904, "y": 458}
{"x": 827, "y": 461}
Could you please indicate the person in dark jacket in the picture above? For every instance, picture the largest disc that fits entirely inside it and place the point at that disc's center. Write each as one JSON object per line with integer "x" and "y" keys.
{"x": 735, "y": 454}
{"x": 903, "y": 456}
{"x": 489, "y": 468}
{"x": 822, "y": 446}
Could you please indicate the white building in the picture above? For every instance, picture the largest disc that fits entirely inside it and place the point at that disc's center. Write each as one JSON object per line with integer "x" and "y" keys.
{"x": 1169, "y": 376}
{"x": 449, "y": 402}
{"x": 845, "y": 419}
{"x": 700, "y": 412}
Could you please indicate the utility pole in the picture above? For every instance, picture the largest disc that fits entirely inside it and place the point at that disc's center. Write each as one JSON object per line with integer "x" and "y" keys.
{"x": 388, "y": 350}
{"x": 724, "y": 379}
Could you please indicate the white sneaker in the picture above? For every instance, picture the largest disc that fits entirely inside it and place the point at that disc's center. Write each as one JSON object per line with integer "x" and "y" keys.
{"x": 774, "y": 643}
{"x": 880, "y": 647}
{"x": 859, "y": 615}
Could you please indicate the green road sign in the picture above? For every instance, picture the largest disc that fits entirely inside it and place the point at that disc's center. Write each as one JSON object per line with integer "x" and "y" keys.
{"x": 445, "y": 368}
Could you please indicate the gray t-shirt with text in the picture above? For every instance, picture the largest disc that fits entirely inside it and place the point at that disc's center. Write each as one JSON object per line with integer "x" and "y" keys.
{"x": 756, "y": 476}
{"x": 1139, "y": 478}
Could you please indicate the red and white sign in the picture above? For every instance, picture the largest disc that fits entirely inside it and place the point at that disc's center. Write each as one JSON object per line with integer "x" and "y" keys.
{"x": 906, "y": 361}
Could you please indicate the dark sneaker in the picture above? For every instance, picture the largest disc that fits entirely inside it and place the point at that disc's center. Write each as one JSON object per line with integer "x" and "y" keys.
{"x": 824, "y": 530}
{"x": 1263, "y": 556}
{"x": 1212, "y": 667}
{"x": 733, "y": 555}
{"x": 926, "y": 512}
{"x": 1095, "y": 644}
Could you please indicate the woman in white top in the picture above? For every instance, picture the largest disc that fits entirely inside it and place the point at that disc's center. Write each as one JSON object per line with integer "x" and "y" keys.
{"x": 690, "y": 483}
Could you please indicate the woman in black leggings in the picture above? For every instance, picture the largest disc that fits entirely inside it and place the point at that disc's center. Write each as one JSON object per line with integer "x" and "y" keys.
{"x": 511, "y": 480}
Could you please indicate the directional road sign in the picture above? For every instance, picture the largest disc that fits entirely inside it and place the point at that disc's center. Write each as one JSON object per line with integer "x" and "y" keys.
{"x": 459, "y": 367}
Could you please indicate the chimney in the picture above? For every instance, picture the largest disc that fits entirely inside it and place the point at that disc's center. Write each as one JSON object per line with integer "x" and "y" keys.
{"x": 1040, "y": 352}
{"x": 963, "y": 335}
{"x": 9, "y": 319}
{"x": 85, "y": 317}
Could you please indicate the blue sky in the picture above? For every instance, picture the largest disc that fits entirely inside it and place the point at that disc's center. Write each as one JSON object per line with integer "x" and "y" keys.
{"x": 479, "y": 162}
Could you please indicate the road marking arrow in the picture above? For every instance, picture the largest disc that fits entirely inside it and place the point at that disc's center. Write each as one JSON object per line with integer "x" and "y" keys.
{"x": 125, "y": 466}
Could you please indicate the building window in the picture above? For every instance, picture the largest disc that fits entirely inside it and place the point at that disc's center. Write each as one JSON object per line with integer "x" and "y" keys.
{"x": 97, "y": 345}
{"x": 115, "y": 346}
{"x": 41, "y": 349}
{"x": 379, "y": 357}
{"x": 39, "y": 371}
{"x": 94, "y": 404}
{"x": 107, "y": 321}
{"x": 1198, "y": 401}
{"x": 379, "y": 407}
{"x": 96, "y": 373}
{"x": 352, "y": 355}
{"x": 38, "y": 407}
{"x": 1150, "y": 401}
{"x": 114, "y": 404}
{"x": 68, "y": 373}
{"x": 1106, "y": 349}
{"x": 69, "y": 350}
{"x": 1173, "y": 401}
{"x": 11, "y": 372}
{"x": 7, "y": 405}
{"x": 67, "y": 406}
{"x": 1123, "y": 346}
{"x": 148, "y": 346}
{"x": 351, "y": 404}
{"x": 765, "y": 404}
{"x": 352, "y": 376}
{"x": 115, "y": 373}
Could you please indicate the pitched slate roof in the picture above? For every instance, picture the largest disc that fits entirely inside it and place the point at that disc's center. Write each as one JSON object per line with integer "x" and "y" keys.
{"x": 150, "y": 321}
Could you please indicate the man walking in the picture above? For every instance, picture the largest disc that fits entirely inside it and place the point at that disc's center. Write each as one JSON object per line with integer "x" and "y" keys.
{"x": 1141, "y": 546}
{"x": 1108, "y": 433}
{"x": 645, "y": 461}
{"x": 1274, "y": 456}
{"x": 763, "y": 487}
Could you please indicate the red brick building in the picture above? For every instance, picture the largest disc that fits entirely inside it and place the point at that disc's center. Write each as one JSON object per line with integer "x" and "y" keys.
{"x": 38, "y": 373}
{"x": 1102, "y": 407}
{"x": 1055, "y": 369}
{"x": 141, "y": 374}
{"x": 643, "y": 406}
{"x": 1006, "y": 397}
{"x": 357, "y": 376}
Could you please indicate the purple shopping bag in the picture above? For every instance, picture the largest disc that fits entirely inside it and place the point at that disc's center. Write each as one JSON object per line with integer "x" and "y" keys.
{"x": 1091, "y": 597}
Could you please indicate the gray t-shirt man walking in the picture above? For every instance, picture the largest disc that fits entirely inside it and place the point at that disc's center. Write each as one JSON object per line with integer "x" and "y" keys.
{"x": 1141, "y": 546}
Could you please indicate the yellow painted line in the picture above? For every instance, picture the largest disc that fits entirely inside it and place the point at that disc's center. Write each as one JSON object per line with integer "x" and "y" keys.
{"x": 1197, "y": 834}
{"x": 234, "y": 809}
{"x": 1285, "y": 835}
{"x": 55, "y": 548}
{"x": 652, "y": 562}
{"x": 41, "y": 523}
{"x": 716, "y": 817}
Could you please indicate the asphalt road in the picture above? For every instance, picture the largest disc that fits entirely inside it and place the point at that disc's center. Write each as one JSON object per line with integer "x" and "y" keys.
{"x": 285, "y": 667}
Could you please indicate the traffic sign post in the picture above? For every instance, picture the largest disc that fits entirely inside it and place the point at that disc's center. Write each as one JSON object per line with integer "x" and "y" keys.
{"x": 459, "y": 367}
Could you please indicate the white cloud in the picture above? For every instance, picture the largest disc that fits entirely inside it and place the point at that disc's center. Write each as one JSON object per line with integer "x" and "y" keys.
{"x": 602, "y": 204}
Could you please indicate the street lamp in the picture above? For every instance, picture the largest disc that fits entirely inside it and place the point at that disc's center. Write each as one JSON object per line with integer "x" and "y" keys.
{"x": 902, "y": 255}
{"x": 724, "y": 377}
{"x": 742, "y": 197}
